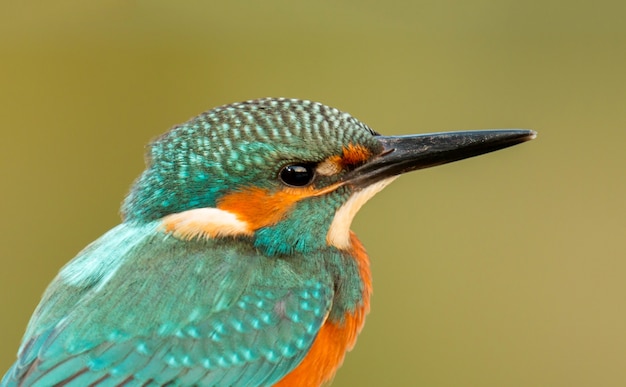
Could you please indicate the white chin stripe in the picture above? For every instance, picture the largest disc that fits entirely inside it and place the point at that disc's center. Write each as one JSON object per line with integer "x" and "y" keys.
{"x": 339, "y": 231}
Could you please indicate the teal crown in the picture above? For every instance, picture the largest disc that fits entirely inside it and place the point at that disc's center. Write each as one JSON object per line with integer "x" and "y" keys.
{"x": 236, "y": 146}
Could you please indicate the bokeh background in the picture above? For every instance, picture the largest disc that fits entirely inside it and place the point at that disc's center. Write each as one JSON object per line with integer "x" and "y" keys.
{"x": 504, "y": 270}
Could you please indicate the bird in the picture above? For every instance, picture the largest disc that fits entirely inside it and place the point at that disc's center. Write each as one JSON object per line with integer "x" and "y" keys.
{"x": 234, "y": 263}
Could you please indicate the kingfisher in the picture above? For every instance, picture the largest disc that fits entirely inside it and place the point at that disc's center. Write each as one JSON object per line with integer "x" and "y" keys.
{"x": 234, "y": 263}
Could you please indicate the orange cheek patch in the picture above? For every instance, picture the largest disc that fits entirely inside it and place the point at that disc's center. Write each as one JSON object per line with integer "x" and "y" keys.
{"x": 260, "y": 208}
{"x": 238, "y": 214}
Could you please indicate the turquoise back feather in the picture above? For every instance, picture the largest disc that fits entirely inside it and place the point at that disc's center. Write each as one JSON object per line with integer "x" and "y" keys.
{"x": 203, "y": 312}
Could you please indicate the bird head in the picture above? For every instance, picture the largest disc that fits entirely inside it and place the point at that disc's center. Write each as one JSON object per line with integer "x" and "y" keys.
{"x": 288, "y": 175}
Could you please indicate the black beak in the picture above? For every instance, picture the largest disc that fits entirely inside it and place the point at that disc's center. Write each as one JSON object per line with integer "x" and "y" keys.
{"x": 402, "y": 154}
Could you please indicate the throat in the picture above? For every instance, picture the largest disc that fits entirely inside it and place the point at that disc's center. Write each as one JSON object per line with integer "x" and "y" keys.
{"x": 339, "y": 232}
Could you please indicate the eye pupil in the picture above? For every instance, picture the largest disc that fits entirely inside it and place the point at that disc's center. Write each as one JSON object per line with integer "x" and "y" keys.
{"x": 297, "y": 175}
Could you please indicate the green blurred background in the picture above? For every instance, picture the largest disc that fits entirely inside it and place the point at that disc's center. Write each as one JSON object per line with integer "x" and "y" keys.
{"x": 504, "y": 270}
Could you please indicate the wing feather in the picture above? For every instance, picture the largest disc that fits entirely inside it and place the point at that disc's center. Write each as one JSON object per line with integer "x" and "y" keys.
{"x": 172, "y": 312}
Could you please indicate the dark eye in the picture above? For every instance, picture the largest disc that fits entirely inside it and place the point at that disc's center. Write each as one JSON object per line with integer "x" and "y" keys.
{"x": 297, "y": 175}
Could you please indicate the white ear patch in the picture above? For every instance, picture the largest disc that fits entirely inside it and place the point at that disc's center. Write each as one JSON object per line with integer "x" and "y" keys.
{"x": 339, "y": 231}
{"x": 205, "y": 223}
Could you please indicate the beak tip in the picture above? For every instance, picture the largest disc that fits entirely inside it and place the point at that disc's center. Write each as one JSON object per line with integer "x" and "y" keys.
{"x": 526, "y": 134}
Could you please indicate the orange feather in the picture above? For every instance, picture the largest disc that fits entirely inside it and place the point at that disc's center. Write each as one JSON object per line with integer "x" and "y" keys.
{"x": 355, "y": 155}
{"x": 261, "y": 208}
{"x": 334, "y": 338}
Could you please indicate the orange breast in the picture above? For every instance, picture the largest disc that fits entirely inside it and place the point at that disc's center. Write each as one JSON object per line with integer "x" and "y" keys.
{"x": 334, "y": 338}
